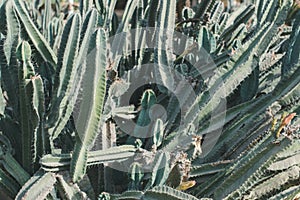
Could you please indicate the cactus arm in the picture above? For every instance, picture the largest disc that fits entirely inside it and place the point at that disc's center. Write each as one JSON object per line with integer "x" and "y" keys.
{"x": 224, "y": 75}
{"x": 128, "y": 13}
{"x": 142, "y": 129}
{"x": 274, "y": 183}
{"x": 14, "y": 169}
{"x": 88, "y": 123}
{"x": 223, "y": 22}
{"x": 69, "y": 87}
{"x": 287, "y": 150}
{"x": 111, "y": 154}
{"x": 209, "y": 168}
{"x": 46, "y": 17}
{"x": 62, "y": 102}
{"x": 258, "y": 107}
{"x": 292, "y": 55}
{"x": 12, "y": 32}
{"x": 57, "y": 30}
{"x": 41, "y": 138}
{"x": 118, "y": 43}
{"x": 243, "y": 17}
{"x": 265, "y": 11}
{"x": 136, "y": 176}
{"x": 161, "y": 170}
{"x": 290, "y": 193}
{"x": 163, "y": 53}
{"x": 281, "y": 93}
{"x": 9, "y": 72}
{"x": 2, "y": 100}
{"x": 217, "y": 12}
{"x": 158, "y": 133}
{"x": 56, "y": 162}
{"x": 85, "y": 6}
{"x": 28, "y": 115}
{"x": 259, "y": 8}
{"x": 285, "y": 163}
{"x": 88, "y": 28}
{"x": 158, "y": 192}
{"x": 151, "y": 13}
{"x": 69, "y": 191}
{"x": 286, "y": 158}
{"x": 37, "y": 187}
{"x": 255, "y": 161}
{"x": 36, "y": 37}
{"x": 237, "y": 35}
{"x": 258, "y": 161}
{"x": 67, "y": 54}
{"x": 277, "y": 21}
{"x": 32, "y": 108}
{"x": 110, "y": 6}
{"x": 256, "y": 44}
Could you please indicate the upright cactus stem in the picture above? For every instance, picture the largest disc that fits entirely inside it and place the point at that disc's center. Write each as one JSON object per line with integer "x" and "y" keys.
{"x": 94, "y": 90}
{"x": 136, "y": 176}
{"x": 142, "y": 129}
{"x": 29, "y": 106}
{"x": 158, "y": 133}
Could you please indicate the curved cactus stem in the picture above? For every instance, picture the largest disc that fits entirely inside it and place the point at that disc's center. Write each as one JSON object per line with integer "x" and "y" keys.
{"x": 69, "y": 191}
{"x": 38, "y": 187}
{"x": 15, "y": 169}
{"x": 36, "y": 37}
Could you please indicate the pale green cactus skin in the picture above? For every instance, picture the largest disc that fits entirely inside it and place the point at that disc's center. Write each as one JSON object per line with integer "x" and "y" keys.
{"x": 57, "y": 144}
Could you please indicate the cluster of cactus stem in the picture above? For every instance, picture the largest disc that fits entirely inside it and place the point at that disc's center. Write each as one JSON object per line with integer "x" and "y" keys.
{"x": 66, "y": 86}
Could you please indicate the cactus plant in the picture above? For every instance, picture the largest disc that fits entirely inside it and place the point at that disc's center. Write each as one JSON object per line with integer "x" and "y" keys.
{"x": 224, "y": 77}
